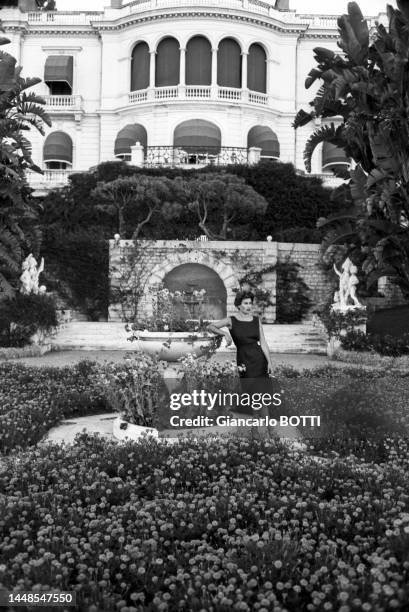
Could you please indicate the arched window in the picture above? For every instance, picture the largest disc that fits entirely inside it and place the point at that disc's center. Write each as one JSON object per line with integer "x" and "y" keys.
{"x": 57, "y": 151}
{"x": 256, "y": 69}
{"x": 167, "y": 63}
{"x": 198, "y": 61}
{"x": 333, "y": 157}
{"x": 229, "y": 64}
{"x": 263, "y": 137}
{"x": 140, "y": 64}
{"x": 197, "y": 136}
{"x": 127, "y": 138}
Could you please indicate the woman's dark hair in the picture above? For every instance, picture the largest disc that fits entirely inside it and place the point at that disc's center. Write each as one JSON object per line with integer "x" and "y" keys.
{"x": 243, "y": 295}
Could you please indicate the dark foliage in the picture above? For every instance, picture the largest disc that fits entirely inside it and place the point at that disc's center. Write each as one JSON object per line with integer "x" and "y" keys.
{"x": 80, "y": 259}
{"x": 22, "y": 316}
{"x": 387, "y": 345}
{"x": 391, "y": 321}
{"x": 295, "y": 202}
{"x": 293, "y": 301}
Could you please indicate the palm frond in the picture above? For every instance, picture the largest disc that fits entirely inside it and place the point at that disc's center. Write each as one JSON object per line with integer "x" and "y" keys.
{"x": 326, "y": 133}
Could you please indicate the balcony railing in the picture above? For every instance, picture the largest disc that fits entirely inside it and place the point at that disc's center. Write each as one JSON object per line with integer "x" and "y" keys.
{"x": 63, "y": 103}
{"x": 266, "y": 8}
{"x": 49, "y": 180}
{"x": 198, "y": 92}
{"x": 195, "y": 156}
{"x": 64, "y": 17}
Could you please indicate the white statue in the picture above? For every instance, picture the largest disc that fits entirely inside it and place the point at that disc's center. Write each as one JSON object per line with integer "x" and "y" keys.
{"x": 25, "y": 278}
{"x": 348, "y": 281}
{"x": 30, "y": 276}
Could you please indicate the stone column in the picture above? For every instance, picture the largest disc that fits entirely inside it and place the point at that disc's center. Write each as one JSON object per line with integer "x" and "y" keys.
{"x": 152, "y": 70}
{"x": 270, "y": 84}
{"x": 182, "y": 72}
{"x": 244, "y": 87}
{"x": 254, "y": 155}
{"x": 137, "y": 156}
{"x": 214, "y": 73}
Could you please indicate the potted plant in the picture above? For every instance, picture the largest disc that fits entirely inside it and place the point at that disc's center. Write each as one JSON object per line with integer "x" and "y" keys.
{"x": 135, "y": 390}
{"x": 176, "y": 327}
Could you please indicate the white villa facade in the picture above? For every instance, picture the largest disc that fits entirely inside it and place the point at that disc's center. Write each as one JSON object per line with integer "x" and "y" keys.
{"x": 170, "y": 82}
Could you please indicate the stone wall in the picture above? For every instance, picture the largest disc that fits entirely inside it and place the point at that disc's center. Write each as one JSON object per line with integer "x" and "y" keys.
{"x": 229, "y": 260}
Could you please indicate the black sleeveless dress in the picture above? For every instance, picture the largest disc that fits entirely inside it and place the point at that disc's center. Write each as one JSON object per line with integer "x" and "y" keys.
{"x": 252, "y": 363}
{"x": 250, "y": 357}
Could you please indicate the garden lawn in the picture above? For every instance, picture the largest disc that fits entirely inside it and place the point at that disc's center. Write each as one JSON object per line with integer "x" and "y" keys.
{"x": 230, "y": 524}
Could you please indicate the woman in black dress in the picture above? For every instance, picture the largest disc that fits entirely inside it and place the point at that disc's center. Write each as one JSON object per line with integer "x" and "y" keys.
{"x": 253, "y": 357}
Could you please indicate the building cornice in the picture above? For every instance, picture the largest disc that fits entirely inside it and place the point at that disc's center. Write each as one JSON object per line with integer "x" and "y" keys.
{"x": 232, "y": 15}
{"x": 99, "y": 26}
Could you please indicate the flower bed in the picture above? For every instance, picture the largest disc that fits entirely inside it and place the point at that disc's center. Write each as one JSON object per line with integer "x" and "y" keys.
{"x": 223, "y": 525}
{"x": 32, "y": 400}
{"x": 357, "y": 408}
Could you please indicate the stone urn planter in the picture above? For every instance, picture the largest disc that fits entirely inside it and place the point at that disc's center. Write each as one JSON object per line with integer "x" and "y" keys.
{"x": 173, "y": 346}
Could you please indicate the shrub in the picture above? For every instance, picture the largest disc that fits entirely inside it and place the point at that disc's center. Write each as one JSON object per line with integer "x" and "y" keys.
{"x": 22, "y": 316}
{"x": 336, "y": 322}
{"x": 136, "y": 390}
{"x": 382, "y": 344}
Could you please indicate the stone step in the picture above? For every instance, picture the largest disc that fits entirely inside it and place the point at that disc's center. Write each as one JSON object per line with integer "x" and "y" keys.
{"x": 286, "y": 338}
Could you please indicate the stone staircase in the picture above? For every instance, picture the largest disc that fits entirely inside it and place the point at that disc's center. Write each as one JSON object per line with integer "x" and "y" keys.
{"x": 80, "y": 335}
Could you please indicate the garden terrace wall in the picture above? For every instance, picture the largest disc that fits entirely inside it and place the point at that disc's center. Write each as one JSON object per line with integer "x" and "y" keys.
{"x": 228, "y": 259}
{"x": 311, "y": 271}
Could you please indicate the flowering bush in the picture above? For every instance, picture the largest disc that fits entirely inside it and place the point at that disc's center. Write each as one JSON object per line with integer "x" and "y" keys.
{"x": 338, "y": 323}
{"x": 136, "y": 389}
{"x": 171, "y": 312}
{"x": 211, "y": 376}
{"x": 228, "y": 524}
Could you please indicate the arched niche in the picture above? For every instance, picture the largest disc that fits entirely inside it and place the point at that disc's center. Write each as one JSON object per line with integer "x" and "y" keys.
{"x": 194, "y": 276}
